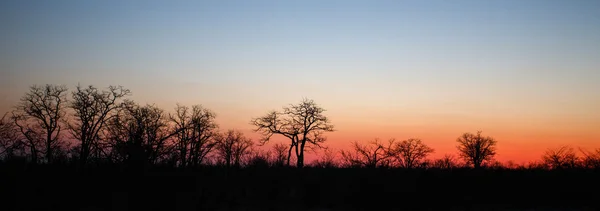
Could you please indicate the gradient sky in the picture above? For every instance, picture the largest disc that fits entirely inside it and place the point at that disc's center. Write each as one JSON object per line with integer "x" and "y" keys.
{"x": 524, "y": 72}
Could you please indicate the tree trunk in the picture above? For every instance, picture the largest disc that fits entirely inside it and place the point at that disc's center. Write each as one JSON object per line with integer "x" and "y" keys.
{"x": 300, "y": 155}
{"x": 49, "y": 148}
{"x": 289, "y": 154}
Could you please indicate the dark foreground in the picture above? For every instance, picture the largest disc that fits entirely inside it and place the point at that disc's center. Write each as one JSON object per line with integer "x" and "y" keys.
{"x": 213, "y": 188}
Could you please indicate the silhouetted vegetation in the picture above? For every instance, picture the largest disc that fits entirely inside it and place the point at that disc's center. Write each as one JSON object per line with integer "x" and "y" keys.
{"x": 109, "y": 152}
{"x": 476, "y": 149}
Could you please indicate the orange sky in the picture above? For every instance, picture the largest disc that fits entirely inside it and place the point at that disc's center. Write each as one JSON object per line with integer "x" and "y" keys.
{"x": 522, "y": 72}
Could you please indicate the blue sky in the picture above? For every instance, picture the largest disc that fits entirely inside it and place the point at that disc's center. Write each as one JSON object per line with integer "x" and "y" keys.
{"x": 483, "y": 59}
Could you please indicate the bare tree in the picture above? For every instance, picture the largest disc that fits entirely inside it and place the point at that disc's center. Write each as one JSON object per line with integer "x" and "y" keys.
{"x": 258, "y": 158}
{"x": 302, "y": 123}
{"x": 410, "y": 153}
{"x": 476, "y": 149}
{"x": 40, "y": 115}
{"x": 195, "y": 129}
{"x": 561, "y": 157}
{"x": 92, "y": 109}
{"x": 279, "y": 154}
{"x": 232, "y": 146}
{"x": 10, "y": 143}
{"x": 140, "y": 133}
{"x": 328, "y": 159}
{"x": 591, "y": 159}
{"x": 371, "y": 155}
{"x": 446, "y": 162}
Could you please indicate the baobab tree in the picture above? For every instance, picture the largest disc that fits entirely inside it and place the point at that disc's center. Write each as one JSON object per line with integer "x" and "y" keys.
{"x": 475, "y": 148}
{"x": 92, "y": 109}
{"x": 39, "y": 116}
{"x": 410, "y": 153}
{"x": 301, "y": 123}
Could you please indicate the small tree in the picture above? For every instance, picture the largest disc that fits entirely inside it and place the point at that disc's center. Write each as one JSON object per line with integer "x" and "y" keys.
{"x": 476, "y": 149}
{"x": 302, "y": 123}
{"x": 232, "y": 146}
{"x": 446, "y": 162}
{"x": 371, "y": 155}
{"x": 279, "y": 152}
{"x": 10, "y": 143}
{"x": 560, "y": 158}
{"x": 326, "y": 160}
{"x": 591, "y": 159}
{"x": 410, "y": 153}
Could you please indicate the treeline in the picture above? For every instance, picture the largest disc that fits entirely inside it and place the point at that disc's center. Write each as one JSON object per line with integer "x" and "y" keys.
{"x": 91, "y": 126}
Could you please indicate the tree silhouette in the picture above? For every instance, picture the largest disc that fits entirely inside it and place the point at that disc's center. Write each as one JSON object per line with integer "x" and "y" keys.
{"x": 446, "y": 162}
{"x": 92, "y": 108}
{"x": 195, "y": 130}
{"x": 371, "y": 155}
{"x": 591, "y": 159}
{"x": 141, "y": 133}
{"x": 410, "y": 153}
{"x": 39, "y": 116}
{"x": 10, "y": 143}
{"x": 475, "y": 149}
{"x": 326, "y": 160}
{"x": 302, "y": 123}
{"x": 559, "y": 158}
{"x": 279, "y": 155}
{"x": 232, "y": 146}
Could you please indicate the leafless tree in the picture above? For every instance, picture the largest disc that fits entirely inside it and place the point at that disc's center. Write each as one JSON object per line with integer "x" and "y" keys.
{"x": 328, "y": 159}
{"x": 302, "y": 123}
{"x": 39, "y": 116}
{"x": 371, "y": 155}
{"x": 259, "y": 159}
{"x": 92, "y": 109}
{"x": 591, "y": 159}
{"x": 140, "y": 133}
{"x": 446, "y": 162}
{"x": 195, "y": 129}
{"x": 559, "y": 158}
{"x": 10, "y": 143}
{"x": 279, "y": 152}
{"x": 409, "y": 153}
{"x": 476, "y": 149}
{"x": 232, "y": 146}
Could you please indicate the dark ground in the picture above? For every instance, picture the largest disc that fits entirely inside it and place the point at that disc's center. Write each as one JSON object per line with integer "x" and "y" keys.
{"x": 213, "y": 188}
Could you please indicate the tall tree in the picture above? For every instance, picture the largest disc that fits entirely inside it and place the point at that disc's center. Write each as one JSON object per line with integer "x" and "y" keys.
{"x": 301, "y": 123}
{"x": 232, "y": 146}
{"x": 92, "y": 109}
{"x": 410, "y": 153}
{"x": 195, "y": 129}
{"x": 40, "y": 115}
{"x": 475, "y": 148}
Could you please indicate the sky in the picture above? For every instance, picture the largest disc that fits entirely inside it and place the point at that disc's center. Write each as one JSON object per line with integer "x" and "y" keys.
{"x": 524, "y": 72}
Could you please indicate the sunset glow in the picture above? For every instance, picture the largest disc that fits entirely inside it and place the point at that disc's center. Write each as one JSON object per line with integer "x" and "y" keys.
{"x": 526, "y": 73}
